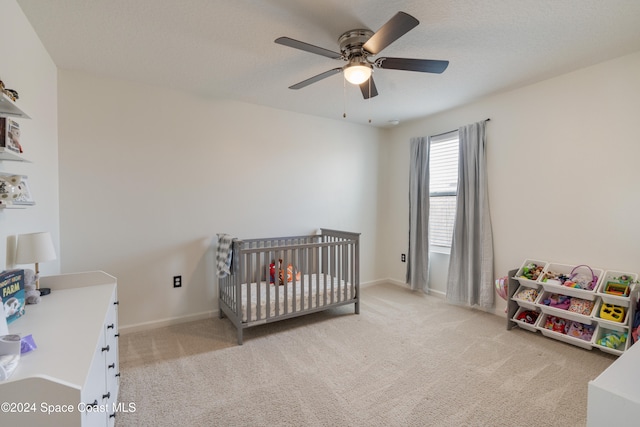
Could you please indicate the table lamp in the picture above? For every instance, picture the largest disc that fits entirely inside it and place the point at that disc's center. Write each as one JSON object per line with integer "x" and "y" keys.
{"x": 35, "y": 248}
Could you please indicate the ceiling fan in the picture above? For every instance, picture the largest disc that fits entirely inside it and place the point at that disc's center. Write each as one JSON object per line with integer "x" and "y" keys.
{"x": 358, "y": 47}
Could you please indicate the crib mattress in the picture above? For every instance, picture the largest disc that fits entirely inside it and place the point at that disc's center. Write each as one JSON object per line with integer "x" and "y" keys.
{"x": 310, "y": 291}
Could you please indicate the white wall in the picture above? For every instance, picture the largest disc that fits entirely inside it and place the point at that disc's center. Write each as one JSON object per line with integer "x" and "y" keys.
{"x": 563, "y": 171}
{"x": 148, "y": 176}
{"x": 26, "y": 67}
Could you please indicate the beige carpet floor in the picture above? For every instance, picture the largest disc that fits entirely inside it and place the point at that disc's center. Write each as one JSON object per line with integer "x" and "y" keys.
{"x": 407, "y": 359}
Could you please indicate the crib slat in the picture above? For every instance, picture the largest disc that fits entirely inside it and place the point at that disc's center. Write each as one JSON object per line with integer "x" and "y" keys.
{"x": 344, "y": 271}
{"x": 339, "y": 275}
{"x": 334, "y": 267}
{"x": 318, "y": 275}
{"x": 285, "y": 287}
{"x": 294, "y": 282}
{"x": 276, "y": 284}
{"x": 248, "y": 286}
{"x": 285, "y": 273}
{"x": 256, "y": 279}
{"x": 327, "y": 275}
{"x": 267, "y": 271}
{"x": 309, "y": 276}
{"x": 350, "y": 274}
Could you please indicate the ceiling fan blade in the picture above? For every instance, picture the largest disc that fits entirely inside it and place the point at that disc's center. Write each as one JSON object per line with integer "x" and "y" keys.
{"x": 317, "y": 78}
{"x": 368, "y": 91}
{"x": 297, "y": 44}
{"x": 421, "y": 65}
{"x": 396, "y": 27}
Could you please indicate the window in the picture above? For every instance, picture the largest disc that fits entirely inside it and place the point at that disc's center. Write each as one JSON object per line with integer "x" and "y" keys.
{"x": 443, "y": 187}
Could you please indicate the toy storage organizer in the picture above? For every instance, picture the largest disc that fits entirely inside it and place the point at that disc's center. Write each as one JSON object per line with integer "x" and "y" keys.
{"x": 602, "y": 306}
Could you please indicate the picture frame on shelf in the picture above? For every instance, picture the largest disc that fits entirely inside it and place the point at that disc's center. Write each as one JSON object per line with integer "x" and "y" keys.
{"x": 26, "y": 199}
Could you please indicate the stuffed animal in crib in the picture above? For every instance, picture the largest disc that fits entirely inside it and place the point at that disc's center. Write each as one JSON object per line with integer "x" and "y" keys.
{"x": 290, "y": 272}
{"x": 31, "y": 294}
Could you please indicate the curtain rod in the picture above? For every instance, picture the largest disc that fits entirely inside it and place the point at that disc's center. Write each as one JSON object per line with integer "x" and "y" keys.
{"x": 444, "y": 133}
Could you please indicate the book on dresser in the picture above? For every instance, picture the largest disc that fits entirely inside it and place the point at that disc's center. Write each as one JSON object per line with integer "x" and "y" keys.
{"x": 12, "y": 293}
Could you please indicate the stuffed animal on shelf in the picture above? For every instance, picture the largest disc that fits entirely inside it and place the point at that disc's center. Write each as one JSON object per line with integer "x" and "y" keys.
{"x": 10, "y": 188}
{"x": 31, "y": 294}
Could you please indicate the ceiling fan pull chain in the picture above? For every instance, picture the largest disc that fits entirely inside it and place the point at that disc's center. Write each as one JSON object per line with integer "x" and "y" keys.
{"x": 344, "y": 98}
{"x": 369, "y": 99}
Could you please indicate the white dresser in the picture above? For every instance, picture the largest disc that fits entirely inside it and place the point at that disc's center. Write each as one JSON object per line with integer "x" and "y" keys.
{"x": 614, "y": 396}
{"x": 72, "y": 378}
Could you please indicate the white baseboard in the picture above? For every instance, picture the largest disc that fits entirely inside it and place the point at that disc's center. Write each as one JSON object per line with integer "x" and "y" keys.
{"x": 153, "y": 324}
{"x": 498, "y": 311}
{"x": 373, "y": 283}
{"x": 145, "y": 326}
{"x": 433, "y": 292}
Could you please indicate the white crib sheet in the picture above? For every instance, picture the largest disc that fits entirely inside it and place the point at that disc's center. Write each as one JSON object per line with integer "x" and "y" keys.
{"x": 340, "y": 291}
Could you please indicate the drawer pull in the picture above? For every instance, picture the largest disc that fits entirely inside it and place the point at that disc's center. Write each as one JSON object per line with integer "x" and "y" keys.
{"x": 112, "y": 415}
{"x": 110, "y": 326}
{"x": 106, "y": 396}
{"x": 94, "y": 404}
{"x": 117, "y": 375}
{"x": 116, "y": 335}
{"x": 113, "y": 365}
{"x": 116, "y": 303}
{"x": 105, "y": 348}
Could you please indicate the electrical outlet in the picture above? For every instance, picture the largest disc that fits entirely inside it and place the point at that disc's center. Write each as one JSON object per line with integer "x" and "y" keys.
{"x": 177, "y": 281}
{"x": 403, "y": 258}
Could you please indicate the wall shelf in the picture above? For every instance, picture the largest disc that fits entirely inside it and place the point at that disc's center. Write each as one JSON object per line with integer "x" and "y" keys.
{"x": 6, "y": 154}
{"x": 8, "y": 108}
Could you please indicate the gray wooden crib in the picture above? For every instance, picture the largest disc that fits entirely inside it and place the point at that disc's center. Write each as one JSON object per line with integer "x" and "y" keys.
{"x": 278, "y": 278}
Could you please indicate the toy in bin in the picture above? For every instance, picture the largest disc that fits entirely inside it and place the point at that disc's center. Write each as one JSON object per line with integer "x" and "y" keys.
{"x": 574, "y": 279}
{"x": 580, "y": 330}
{"x": 527, "y": 294}
{"x": 528, "y": 316}
{"x": 532, "y": 271}
{"x": 617, "y": 289}
{"x": 613, "y": 339}
{"x": 556, "y": 324}
{"x": 612, "y": 312}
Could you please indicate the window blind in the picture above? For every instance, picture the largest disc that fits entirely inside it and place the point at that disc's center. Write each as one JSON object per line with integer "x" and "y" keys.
{"x": 443, "y": 186}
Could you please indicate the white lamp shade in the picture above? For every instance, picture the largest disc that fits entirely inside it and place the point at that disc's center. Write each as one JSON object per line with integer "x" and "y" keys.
{"x": 356, "y": 73}
{"x": 35, "y": 248}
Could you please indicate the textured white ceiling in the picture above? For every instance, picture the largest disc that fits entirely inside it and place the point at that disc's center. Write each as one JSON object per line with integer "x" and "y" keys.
{"x": 224, "y": 48}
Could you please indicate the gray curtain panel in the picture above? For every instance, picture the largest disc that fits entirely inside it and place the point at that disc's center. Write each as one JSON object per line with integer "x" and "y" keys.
{"x": 418, "y": 259}
{"x": 470, "y": 280}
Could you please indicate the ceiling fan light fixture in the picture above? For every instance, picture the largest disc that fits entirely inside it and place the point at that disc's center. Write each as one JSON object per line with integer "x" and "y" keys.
{"x": 358, "y": 48}
{"x": 357, "y": 72}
